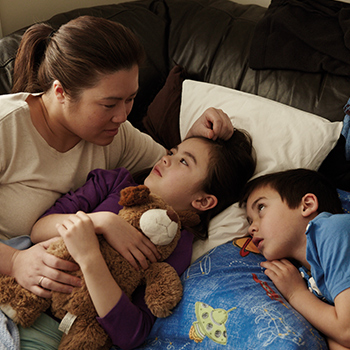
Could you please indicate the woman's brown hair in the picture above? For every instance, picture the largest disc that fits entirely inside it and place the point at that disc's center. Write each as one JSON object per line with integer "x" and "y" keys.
{"x": 76, "y": 55}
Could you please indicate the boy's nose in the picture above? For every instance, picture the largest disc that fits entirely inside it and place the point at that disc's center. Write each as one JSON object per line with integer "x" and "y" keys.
{"x": 252, "y": 229}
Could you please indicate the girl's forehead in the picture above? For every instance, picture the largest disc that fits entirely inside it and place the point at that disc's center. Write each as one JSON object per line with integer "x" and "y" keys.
{"x": 194, "y": 142}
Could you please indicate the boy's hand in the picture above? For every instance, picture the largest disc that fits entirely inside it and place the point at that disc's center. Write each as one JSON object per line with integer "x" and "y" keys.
{"x": 285, "y": 276}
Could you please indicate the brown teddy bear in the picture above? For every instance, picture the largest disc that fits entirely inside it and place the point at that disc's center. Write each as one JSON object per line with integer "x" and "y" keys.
{"x": 158, "y": 221}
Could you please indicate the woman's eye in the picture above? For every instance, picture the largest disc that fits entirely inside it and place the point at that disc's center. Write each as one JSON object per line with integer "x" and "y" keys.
{"x": 183, "y": 161}
{"x": 261, "y": 207}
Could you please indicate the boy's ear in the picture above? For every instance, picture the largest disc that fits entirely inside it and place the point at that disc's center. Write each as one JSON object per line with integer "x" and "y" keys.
{"x": 206, "y": 202}
{"x": 309, "y": 204}
{"x": 58, "y": 91}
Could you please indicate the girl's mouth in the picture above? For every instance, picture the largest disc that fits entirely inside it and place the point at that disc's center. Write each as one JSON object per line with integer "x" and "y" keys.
{"x": 157, "y": 171}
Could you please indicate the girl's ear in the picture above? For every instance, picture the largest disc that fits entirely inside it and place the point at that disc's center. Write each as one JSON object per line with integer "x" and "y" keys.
{"x": 309, "y": 204}
{"x": 58, "y": 91}
{"x": 206, "y": 202}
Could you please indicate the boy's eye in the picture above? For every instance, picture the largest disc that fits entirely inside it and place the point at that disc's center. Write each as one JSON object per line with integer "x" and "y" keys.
{"x": 183, "y": 161}
{"x": 170, "y": 153}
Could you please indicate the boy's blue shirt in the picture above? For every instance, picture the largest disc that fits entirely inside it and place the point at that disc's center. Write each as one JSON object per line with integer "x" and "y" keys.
{"x": 327, "y": 251}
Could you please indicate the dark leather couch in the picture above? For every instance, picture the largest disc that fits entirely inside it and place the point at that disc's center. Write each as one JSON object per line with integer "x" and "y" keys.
{"x": 211, "y": 39}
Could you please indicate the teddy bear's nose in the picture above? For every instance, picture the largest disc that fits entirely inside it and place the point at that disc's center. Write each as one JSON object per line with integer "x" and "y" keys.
{"x": 158, "y": 226}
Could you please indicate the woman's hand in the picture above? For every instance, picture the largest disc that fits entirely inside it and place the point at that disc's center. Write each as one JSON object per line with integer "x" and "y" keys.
{"x": 212, "y": 124}
{"x": 125, "y": 239}
{"x": 41, "y": 272}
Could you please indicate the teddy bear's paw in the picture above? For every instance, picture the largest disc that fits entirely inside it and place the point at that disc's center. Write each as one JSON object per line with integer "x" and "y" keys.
{"x": 10, "y": 312}
{"x": 159, "y": 226}
{"x": 164, "y": 304}
{"x": 163, "y": 289}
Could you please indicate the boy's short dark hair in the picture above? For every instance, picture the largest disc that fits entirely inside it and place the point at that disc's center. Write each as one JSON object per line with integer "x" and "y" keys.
{"x": 293, "y": 184}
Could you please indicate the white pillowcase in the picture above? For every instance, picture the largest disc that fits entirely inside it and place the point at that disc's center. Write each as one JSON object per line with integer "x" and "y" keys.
{"x": 283, "y": 138}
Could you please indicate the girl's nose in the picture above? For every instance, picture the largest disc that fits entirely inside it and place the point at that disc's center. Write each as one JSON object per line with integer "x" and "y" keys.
{"x": 166, "y": 160}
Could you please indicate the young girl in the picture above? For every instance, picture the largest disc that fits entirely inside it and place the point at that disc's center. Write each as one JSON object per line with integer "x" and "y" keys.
{"x": 199, "y": 174}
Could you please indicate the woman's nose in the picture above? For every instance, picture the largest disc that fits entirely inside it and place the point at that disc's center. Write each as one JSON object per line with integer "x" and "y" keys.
{"x": 120, "y": 115}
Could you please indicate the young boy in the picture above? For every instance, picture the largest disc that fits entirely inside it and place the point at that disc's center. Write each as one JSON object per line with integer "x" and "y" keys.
{"x": 297, "y": 215}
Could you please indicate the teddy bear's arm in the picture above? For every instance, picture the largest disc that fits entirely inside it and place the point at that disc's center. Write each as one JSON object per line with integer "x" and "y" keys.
{"x": 163, "y": 289}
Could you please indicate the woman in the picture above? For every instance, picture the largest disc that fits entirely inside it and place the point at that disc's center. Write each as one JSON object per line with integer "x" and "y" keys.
{"x": 66, "y": 117}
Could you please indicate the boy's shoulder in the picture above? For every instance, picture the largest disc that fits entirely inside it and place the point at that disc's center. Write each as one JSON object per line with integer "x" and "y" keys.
{"x": 329, "y": 226}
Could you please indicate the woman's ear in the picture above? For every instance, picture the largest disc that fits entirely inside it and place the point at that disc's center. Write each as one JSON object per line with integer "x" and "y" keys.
{"x": 58, "y": 91}
{"x": 206, "y": 202}
{"x": 309, "y": 204}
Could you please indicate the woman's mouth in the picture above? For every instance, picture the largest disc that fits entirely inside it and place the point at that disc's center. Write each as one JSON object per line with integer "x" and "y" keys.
{"x": 112, "y": 132}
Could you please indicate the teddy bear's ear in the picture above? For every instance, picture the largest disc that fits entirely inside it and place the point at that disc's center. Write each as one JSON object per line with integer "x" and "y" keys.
{"x": 134, "y": 195}
{"x": 189, "y": 218}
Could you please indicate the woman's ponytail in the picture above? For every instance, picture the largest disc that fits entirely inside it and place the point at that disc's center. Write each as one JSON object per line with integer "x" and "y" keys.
{"x": 29, "y": 57}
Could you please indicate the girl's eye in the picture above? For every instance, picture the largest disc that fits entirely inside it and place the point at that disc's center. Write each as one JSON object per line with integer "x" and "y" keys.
{"x": 183, "y": 161}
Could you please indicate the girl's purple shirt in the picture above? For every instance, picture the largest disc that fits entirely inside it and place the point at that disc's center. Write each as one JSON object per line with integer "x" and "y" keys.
{"x": 128, "y": 323}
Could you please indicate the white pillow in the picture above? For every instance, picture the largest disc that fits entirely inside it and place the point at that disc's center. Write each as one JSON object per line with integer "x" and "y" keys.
{"x": 283, "y": 138}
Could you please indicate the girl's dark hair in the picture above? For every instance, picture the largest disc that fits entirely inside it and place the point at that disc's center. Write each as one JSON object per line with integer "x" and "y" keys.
{"x": 231, "y": 165}
{"x": 77, "y": 54}
{"x": 293, "y": 184}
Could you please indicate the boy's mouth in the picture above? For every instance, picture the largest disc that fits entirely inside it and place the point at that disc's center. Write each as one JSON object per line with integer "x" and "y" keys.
{"x": 257, "y": 242}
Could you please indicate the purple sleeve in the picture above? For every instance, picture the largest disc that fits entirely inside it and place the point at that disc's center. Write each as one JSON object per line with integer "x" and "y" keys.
{"x": 101, "y": 192}
{"x": 131, "y": 331}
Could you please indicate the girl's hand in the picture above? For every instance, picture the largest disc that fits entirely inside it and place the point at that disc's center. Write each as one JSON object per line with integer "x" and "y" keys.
{"x": 285, "y": 276}
{"x": 135, "y": 247}
{"x": 78, "y": 233}
{"x": 212, "y": 124}
{"x": 34, "y": 265}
